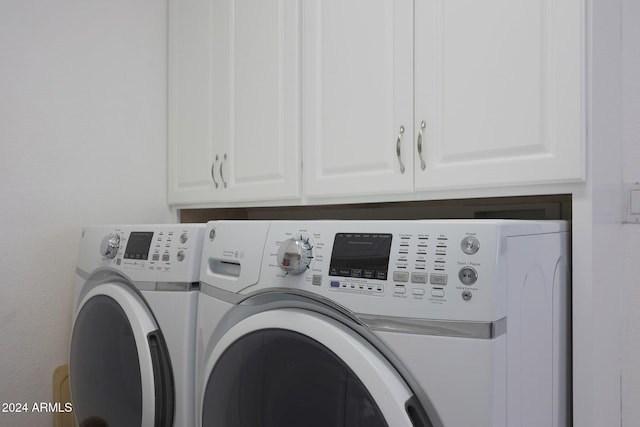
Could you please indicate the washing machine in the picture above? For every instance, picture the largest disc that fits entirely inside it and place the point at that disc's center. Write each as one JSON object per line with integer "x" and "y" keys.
{"x": 131, "y": 361}
{"x": 383, "y": 323}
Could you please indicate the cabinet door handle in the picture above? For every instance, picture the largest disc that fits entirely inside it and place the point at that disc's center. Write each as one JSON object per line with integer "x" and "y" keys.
{"x": 224, "y": 158}
{"x": 399, "y": 149}
{"x": 213, "y": 171}
{"x": 423, "y": 164}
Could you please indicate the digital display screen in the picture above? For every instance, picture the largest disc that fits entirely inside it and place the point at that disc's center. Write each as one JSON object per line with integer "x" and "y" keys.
{"x": 138, "y": 245}
{"x": 364, "y": 255}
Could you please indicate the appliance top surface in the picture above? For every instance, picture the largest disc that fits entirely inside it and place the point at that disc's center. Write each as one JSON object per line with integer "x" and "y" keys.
{"x": 144, "y": 252}
{"x": 445, "y": 269}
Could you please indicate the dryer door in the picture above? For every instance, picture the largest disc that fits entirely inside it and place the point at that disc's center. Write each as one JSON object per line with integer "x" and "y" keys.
{"x": 292, "y": 367}
{"x": 119, "y": 369}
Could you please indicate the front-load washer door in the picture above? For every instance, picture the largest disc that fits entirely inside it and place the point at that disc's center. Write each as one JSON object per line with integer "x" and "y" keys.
{"x": 292, "y": 368}
{"x": 120, "y": 373}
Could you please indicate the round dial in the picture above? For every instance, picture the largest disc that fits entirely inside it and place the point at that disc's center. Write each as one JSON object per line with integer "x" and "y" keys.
{"x": 109, "y": 246}
{"x": 295, "y": 255}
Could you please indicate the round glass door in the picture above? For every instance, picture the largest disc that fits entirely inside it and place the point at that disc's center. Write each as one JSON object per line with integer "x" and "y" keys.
{"x": 119, "y": 368}
{"x": 104, "y": 365}
{"x": 291, "y": 367}
{"x": 281, "y": 378}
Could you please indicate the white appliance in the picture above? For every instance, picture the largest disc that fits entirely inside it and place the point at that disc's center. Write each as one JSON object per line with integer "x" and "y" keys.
{"x": 131, "y": 359}
{"x": 383, "y": 323}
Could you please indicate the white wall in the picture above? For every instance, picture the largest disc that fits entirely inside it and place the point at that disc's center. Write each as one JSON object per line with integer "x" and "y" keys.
{"x": 82, "y": 140}
{"x": 631, "y": 232}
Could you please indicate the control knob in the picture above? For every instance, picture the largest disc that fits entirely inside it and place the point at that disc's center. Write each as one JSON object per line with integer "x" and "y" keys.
{"x": 295, "y": 255}
{"x": 109, "y": 246}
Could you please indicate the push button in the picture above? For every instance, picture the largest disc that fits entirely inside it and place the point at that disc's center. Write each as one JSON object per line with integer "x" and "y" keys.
{"x": 399, "y": 289}
{"x": 400, "y": 276}
{"x": 418, "y": 277}
{"x": 470, "y": 245}
{"x": 468, "y": 276}
{"x": 438, "y": 279}
{"x": 381, "y": 275}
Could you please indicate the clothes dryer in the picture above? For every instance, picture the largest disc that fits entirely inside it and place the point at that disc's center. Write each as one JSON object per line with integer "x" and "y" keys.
{"x": 383, "y": 323}
{"x": 131, "y": 360}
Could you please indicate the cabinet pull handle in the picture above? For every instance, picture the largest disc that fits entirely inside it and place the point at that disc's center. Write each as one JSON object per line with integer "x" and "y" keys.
{"x": 399, "y": 150}
{"x": 224, "y": 158}
{"x": 423, "y": 164}
{"x": 213, "y": 171}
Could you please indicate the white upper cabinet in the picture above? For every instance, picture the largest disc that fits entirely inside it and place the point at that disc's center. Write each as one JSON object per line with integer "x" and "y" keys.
{"x": 357, "y": 91}
{"x": 284, "y": 99}
{"x": 234, "y": 87}
{"x": 191, "y": 152}
{"x": 499, "y": 92}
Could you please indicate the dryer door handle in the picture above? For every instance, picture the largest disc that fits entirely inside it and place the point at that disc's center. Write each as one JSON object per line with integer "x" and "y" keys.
{"x": 417, "y": 414}
{"x": 163, "y": 379}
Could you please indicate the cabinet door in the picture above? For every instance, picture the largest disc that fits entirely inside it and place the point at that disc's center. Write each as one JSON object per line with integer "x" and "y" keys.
{"x": 256, "y": 91}
{"x": 190, "y": 154}
{"x": 234, "y": 89}
{"x": 357, "y": 95}
{"x": 500, "y": 89}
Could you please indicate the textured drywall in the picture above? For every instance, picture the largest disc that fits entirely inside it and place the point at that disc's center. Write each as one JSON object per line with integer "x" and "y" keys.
{"x": 82, "y": 141}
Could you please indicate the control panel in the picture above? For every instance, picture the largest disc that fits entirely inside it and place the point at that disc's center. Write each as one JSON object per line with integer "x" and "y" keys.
{"x": 403, "y": 268}
{"x": 423, "y": 269}
{"x": 150, "y": 250}
{"x": 145, "y": 252}
{"x": 436, "y": 266}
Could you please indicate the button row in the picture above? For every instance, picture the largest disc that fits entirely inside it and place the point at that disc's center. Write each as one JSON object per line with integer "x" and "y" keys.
{"x": 156, "y": 257}
{"x": 135, "y": 256}
{"x": 166, "y": 257}
{"x": 418, "y": 292}
{"x": 404, "y": 276}
{"x": 335, "y": 284}
{"x": 358, "y": 273}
